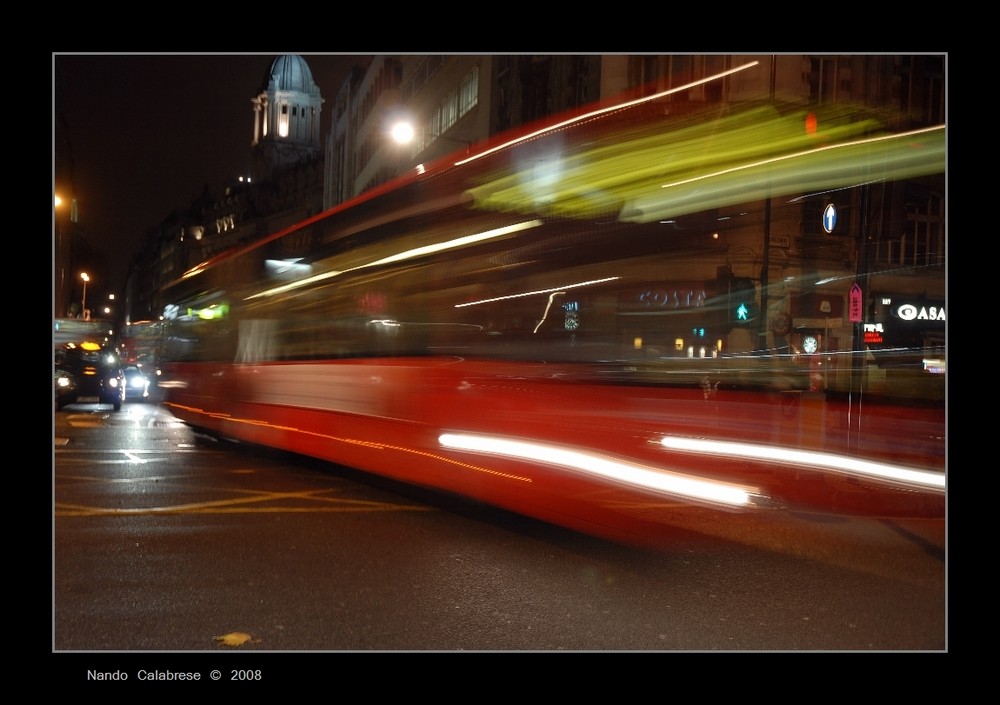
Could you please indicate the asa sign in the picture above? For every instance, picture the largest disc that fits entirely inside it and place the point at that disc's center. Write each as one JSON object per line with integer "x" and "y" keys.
{"x": 922, "y": 312}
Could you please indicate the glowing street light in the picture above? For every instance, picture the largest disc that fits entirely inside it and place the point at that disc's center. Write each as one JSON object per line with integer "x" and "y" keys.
{"x": 403, "y": 132}
{"x": 83, "y": 307}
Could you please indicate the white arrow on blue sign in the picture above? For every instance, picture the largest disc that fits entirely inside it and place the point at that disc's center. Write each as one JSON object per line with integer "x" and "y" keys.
{"x": 830, "y": 218}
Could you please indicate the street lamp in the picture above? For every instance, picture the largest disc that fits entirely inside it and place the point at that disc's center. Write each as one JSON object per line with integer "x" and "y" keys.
{"x": 83, "y": 307}
{"x": 403, "y": 132}
{"x": 61, "y": 257}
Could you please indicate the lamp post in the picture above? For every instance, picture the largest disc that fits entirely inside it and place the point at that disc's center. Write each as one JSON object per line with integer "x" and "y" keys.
{"x": 83, "y": 306}
{"x": 61, "y": 257}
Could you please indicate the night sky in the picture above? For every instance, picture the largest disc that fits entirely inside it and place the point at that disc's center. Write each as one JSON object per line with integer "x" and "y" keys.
{"x": 149, "y": 132}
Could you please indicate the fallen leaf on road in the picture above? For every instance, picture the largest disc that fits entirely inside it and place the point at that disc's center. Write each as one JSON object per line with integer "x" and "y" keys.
{"x": 236, "y": 639}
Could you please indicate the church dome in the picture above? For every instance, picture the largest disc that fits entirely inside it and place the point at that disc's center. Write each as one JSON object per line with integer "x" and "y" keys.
{"x": 289, "y": 72}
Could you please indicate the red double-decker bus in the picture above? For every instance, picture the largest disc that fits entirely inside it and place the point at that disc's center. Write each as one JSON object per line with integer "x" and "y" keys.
{"x": 140, "y": 344}
{"x": 590, "y": 324}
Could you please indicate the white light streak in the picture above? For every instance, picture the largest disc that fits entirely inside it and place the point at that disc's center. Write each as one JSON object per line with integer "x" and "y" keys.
{"x": 548, "y": 306}
{"x": 553, "y": 290}
{"x": 406, "y": 254}
{"x": 813, "y": 460}
{"x": 629, "y": 473}
{"x": 618, "y": 106}
{"x": 457, "y": 242}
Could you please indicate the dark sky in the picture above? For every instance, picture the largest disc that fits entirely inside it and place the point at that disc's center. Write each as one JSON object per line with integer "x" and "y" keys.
{"x": 148, "y": 132}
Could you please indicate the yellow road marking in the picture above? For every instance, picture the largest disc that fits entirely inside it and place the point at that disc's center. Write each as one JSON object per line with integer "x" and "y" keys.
{"x": 243, "y": 505}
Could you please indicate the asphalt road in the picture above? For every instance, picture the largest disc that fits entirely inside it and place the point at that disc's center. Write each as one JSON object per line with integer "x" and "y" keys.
{"x": 179, "y": 547}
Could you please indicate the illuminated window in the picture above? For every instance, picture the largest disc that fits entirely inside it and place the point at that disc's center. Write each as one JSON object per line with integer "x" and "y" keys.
{"x": 283, "y": 122}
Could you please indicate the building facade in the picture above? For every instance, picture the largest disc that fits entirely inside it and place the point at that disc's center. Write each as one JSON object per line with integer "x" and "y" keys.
{"x": 454, "y": 102}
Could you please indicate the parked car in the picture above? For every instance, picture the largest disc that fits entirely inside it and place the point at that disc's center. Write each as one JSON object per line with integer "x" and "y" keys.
{"x": 88, "y": 373}
{"x": 136, "y": 383}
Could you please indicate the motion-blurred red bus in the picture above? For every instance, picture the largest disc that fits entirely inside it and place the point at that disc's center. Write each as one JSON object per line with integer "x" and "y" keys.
{"x": 629, "y": 320}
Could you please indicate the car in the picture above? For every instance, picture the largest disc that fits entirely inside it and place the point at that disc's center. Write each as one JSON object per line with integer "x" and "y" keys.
{"x": 63, "y": 385}
{"x": 88, "y": 373}
{"x": 136, "y": 383}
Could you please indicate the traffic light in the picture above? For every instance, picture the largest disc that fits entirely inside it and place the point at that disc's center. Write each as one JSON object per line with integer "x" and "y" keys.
{"x": 742, "y": 302}
{"x": 734, "y": 298}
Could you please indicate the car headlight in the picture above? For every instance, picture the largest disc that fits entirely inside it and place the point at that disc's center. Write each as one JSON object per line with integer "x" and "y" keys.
{"x": 62, "y": 382}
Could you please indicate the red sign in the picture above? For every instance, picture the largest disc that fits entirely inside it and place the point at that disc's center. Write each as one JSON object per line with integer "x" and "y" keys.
{"x": 856, "y": 309}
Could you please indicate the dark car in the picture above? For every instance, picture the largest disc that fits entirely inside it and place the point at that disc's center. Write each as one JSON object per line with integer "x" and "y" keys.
{"x": 136, "y": 383}
{"x": 88, "y": 373}
{"x": 63, "y": 384}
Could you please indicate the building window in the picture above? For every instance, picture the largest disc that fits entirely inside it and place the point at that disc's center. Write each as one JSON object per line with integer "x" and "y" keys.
{"x": 925, "y": 230}
{"x": 283, "y": 122}
{"x": 468, "y": 94}
{"x": 921, "y": 242}
{"x": 823, "y": 80}
{"x": 449, "y": 110}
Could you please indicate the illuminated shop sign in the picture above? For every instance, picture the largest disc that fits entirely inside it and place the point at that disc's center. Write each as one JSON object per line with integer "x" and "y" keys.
{"x": 904, "y": 310}
{"x": 663, "y": 297}
{"x": 919, "y": 312}
{"x": 874, "y": 334}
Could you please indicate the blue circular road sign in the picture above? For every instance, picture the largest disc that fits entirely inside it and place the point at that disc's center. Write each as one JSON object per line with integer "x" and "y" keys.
{"x": 830, "y": 218}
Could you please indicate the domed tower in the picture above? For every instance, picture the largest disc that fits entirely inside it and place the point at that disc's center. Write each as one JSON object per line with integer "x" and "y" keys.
{"x": 286, "y": 127}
